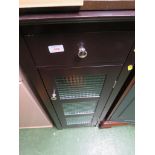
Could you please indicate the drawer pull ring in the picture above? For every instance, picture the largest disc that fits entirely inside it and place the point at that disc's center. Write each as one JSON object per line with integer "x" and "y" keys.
{"x": 53, "y": 97}
{"x": 82, "y": 53}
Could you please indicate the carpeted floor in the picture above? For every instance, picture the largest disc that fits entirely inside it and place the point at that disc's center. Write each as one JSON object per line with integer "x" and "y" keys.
{"x": 77, "y": 141}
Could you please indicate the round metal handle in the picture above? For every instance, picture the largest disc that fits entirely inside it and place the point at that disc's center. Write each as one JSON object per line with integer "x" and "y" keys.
{"x": 53, "y": 97}
{"x": 82, "y": 53}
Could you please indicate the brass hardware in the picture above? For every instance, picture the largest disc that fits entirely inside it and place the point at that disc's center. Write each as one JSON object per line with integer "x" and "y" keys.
{"x": 53, "y": 97}
{"x": 130, "y": 67}
{"x": 82, "y": 53}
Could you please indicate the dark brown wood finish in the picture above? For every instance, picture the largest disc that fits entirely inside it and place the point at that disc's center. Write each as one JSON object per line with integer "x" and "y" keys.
{"x": 103, "y": 47}
{"x": 127, "y": 88}
{"x": 35, "y": 82}
{"x": 99, "y": 30}
{"x": 82, "y": 16}
{"x": 120, "y": 82}
{"x": 121, "y": 95}
{"x": 49, "y": 75}
{"x": 34, "y": 10}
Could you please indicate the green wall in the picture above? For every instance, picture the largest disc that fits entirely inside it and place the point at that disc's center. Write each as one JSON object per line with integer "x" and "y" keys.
{"x": 77, "y": 141}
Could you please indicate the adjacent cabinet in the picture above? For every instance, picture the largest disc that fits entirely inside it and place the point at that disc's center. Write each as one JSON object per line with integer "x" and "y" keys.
{"x": 76, "y": 64}
{"x": 125, "y": 112}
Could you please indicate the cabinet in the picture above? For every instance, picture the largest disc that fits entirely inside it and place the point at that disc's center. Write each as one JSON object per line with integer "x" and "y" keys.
{"x": 75, "y": 80}
{"x": 102, "y": 46}
{"x": 125, "y": 112}
{"x": 81, "y": 93}
{"x": 124, "y": 109}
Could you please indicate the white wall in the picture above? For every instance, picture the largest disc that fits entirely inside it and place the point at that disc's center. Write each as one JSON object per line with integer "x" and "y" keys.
{"x": 31, "y": 114}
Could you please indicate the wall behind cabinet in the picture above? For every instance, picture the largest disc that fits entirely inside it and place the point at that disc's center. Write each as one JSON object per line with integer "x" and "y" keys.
{"x": 31, "y": 114}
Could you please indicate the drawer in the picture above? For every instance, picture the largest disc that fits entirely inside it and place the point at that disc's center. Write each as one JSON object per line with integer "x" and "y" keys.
{"x": 96, "y": 48}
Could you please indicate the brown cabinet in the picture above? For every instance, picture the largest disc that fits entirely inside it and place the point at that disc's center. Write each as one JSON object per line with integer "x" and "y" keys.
{"x": 73, "y": 65}
{"x": 103, "y": 47}
{"x": 122, "y": 112}
{"x": 81, "y": 93}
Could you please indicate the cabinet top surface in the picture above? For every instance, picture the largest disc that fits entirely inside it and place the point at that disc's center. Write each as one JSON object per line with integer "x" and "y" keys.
{"x": 76, "y": 16}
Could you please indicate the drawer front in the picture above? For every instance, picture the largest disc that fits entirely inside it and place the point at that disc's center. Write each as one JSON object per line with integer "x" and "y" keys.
{"x": 106, "y": 47}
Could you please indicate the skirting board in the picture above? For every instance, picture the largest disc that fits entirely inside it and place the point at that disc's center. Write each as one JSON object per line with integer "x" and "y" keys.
{"x": 34, "y": 127}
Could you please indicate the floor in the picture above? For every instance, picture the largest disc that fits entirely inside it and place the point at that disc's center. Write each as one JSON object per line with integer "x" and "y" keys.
{"x": 77, "y": 141}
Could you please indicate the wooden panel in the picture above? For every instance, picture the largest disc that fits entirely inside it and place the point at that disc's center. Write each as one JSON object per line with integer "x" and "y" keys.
{"x": 109, "y": 124}
{"x": 122, "y": 112}
{"x": 35, "y": 82}
{"x": 120, "y": 82}
{"x": 125, "y": 15}
{"x": 74, "y": 5}
{"x": 108, "y": 5}
{"x": 125, "y": 112}
{"x": 49, "y": 3}
{"x": 105, "y": 47}
{"x": 91, "y": 22}
{"x": 49, "y": 76}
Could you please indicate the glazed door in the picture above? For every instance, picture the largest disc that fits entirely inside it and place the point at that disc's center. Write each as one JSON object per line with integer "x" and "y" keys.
{"x": 79, "y": 94}
{"x": 125, "y": 112}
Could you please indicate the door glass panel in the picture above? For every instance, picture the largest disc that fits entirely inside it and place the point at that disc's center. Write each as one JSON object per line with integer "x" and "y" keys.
{"x": 76, "y": 108}
{"x": 83, "y": 87}
{"x": 79, "y": 86}
{"x": 79, "y": 120}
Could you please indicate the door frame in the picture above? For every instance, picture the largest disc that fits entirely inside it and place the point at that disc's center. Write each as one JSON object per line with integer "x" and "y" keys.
{"x": 49, "y": 74}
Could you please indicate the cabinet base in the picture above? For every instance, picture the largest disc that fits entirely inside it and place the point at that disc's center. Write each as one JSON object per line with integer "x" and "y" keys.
{"x": 109, "y": 124}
